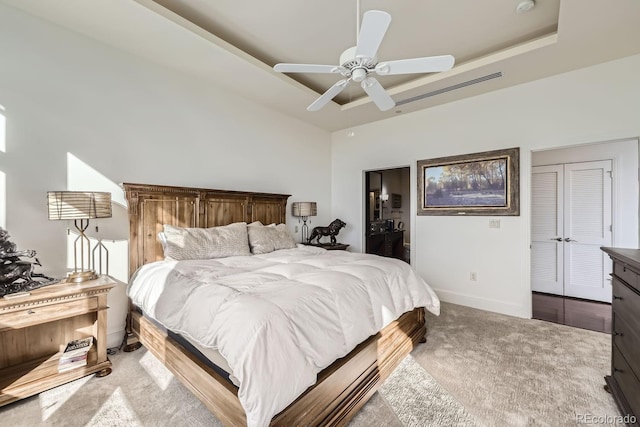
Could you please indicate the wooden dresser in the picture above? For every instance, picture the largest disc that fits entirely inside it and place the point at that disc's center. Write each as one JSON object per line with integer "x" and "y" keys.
{"x": 388, "y": 243}
{"x": 624, "y": 381}
{"x": 35, "y": 329}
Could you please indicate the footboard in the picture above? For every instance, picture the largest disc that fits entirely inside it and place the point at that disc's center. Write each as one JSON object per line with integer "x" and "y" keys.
{"x": 342, "y": 388}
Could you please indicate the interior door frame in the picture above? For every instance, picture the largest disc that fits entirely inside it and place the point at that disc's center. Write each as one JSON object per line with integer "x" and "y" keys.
{"x": 412, "y": 203}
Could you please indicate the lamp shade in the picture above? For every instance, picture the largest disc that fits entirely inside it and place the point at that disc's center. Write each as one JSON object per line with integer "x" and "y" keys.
{"x": 78, "y": 204}
{"x": 304, "y": 209}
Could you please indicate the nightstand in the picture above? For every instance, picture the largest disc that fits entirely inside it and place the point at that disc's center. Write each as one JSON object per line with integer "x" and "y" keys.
{"x": 329, "y": 246}
{"x": 35, "y": 328}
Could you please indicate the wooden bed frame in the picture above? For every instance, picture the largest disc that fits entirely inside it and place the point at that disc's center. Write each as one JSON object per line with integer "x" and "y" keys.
{"x": 342, "y": 388}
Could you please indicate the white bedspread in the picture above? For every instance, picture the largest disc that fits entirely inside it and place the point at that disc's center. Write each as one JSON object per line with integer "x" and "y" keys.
{"x": 279, "y": 318}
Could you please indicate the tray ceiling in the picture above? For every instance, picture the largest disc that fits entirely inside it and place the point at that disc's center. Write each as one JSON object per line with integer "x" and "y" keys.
{"x": 235, "y": 44}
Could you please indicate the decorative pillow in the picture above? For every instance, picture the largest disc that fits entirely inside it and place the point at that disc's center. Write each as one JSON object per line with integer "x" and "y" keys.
{"x": 163, "y": 241}
{"x": 206, "y": 243}
{"x": 268, "y": 238}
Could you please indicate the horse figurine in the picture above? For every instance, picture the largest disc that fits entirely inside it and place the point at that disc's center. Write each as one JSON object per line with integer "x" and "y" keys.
{"x": 16, "y": 275}
{"x": 332, "y": 230}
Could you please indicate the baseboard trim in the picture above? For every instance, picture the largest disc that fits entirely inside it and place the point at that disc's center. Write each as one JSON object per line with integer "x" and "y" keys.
{"x": 488, "y": 304}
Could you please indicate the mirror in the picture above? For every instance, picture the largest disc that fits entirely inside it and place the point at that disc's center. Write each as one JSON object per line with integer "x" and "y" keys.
{"x": 374, "y": 205}
{"x": 374, "y": 187}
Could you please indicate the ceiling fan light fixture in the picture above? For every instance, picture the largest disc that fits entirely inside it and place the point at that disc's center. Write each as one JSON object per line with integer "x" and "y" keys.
{"x": 525, "y": 6}
{"x": 359, "y": 74}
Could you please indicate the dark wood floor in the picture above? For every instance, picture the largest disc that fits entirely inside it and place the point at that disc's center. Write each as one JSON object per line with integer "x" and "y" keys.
{"x": 584, "y": 314}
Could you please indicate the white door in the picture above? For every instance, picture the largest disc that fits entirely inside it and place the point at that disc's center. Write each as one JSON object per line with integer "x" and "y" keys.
{"x": 588, "y": 226}
{"x": 571, "y": 220}
{"x": 547, "y": 219}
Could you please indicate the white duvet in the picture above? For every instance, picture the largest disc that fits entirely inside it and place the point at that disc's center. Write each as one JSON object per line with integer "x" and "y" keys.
{"x": 279, "y": 318}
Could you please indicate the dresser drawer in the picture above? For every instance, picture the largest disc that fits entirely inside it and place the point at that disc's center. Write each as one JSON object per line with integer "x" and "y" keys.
{"x": 627, "y": 274}
{"x": 37, "y": 314}
{"x": 625, "y": 303}
{"x": 627, "y": 380}
{"x": 628, "y": 342}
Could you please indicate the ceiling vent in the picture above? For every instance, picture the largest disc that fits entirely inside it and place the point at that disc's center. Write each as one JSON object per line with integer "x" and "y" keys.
{"x": 450, "y": 88}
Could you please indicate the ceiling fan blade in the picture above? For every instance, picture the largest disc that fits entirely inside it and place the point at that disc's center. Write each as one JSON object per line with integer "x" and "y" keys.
{"x": 374, "y": 26}
{"x": 430, "y": 64}
{"x": 309, "y": 68}
{"x": 378, "y": 94}
{"x": 328, "y": 95}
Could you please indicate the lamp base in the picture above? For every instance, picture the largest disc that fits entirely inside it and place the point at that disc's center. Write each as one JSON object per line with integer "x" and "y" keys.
{"x": 81, "y": 276}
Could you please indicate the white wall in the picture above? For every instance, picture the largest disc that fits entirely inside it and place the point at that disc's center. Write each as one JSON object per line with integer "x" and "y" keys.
{"x": 82, "y": 115}
{"x": 598, "y": 103}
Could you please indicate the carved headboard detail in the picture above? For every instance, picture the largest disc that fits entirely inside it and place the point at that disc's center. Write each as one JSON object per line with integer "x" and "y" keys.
{"x": 152, "y": 206}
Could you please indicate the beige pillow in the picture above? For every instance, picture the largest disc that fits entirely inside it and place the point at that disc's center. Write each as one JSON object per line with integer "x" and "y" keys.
{"x": 264, "y": 239}
{"x": 206, "y": 243}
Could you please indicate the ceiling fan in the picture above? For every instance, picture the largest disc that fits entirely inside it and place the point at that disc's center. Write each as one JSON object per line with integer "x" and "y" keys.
{"x": 358, "y": 63}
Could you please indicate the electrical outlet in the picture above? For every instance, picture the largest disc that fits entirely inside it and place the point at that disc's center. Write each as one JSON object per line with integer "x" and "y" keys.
{"x": 494, "y": 223}
{"x": 295, "y": 229}
{"x": 473, "y": 276}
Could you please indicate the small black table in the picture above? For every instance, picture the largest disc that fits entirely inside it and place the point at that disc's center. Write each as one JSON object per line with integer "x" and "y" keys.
{"x": 329, "y": 246}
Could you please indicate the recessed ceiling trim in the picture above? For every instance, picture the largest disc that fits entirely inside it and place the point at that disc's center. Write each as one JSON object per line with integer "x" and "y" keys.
{"x": 190, "y": 26}
{"x": 450, "y": 88}
{"x": 522, "y": 48}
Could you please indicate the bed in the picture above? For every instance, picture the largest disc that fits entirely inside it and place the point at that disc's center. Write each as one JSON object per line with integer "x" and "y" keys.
{"x": 341, "y": 388}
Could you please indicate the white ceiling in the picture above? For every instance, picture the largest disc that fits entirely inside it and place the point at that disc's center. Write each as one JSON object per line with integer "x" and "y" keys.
{"x": 235, "y": 43}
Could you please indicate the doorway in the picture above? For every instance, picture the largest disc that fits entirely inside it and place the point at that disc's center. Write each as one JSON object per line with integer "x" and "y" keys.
{"x": 570, "y": 221}
{"x": 387, "y": 212}
{"x": 579, "y": 203}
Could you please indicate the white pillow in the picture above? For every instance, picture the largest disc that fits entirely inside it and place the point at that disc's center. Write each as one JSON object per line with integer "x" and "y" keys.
{"x": 206, "y": 243}
{"x": 264, "y": 239}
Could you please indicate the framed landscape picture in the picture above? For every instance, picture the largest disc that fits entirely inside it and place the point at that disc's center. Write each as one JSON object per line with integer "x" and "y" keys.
{"x": 484, "y": 183}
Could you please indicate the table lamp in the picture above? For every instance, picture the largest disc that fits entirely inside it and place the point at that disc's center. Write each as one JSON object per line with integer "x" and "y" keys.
{"x": 79, "y": 206}
{"x": 304, "y": 210}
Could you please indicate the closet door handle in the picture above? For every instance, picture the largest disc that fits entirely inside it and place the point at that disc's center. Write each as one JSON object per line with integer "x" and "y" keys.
{"x": 568, "y": 239}
{"x": 559, "y": 239}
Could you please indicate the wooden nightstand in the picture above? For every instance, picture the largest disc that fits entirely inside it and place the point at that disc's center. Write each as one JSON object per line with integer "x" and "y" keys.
{"x": 35, "y": 329}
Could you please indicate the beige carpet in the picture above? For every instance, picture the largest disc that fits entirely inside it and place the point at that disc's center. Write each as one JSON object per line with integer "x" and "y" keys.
{"x": 509, "y": 371}
{"x": 477, "y": 368}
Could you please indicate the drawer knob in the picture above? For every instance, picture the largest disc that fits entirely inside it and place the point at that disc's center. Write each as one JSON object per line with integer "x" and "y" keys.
{"x": 617, "y": 297}
{"x": 31, "y": 312}
{"x": 618, "y": 334}
{"x": 617, "y": 370}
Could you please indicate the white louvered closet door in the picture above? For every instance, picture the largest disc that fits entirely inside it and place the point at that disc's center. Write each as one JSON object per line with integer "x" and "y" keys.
{"x": 588, "y": 226}
{"x": 547, "y": 218}
{"x": 570, "y": 221}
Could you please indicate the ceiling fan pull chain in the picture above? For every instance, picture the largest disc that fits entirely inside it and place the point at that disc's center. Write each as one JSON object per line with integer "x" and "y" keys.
{"x": 357, "y": 21}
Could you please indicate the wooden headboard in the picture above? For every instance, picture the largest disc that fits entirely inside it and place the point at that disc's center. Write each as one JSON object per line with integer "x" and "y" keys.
{"x": 152, "y": 206}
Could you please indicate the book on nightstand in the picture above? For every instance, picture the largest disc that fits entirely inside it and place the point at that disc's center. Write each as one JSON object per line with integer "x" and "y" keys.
{"x": 71, "y": 363}
{"x": 75, "y": 354}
